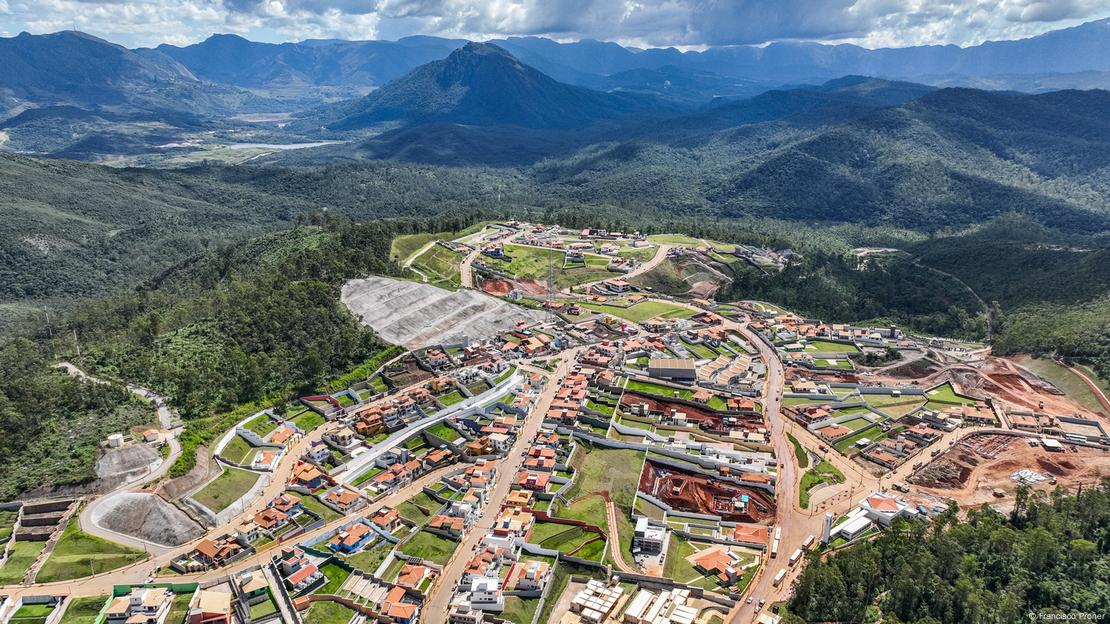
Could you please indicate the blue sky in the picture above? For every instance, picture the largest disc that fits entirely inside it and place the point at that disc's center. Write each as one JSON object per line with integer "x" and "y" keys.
{"x": 683, "y": 23}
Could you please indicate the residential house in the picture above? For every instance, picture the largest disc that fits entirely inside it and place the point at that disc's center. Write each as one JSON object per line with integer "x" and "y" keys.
{"x": 352, "y": 538}
{"x": 148, "y": 605}
{"x": 210, "y": 607}
{"x": 648, "y": 536}
{"x": 530, "y": 576}
{"x": 397, "y": 610}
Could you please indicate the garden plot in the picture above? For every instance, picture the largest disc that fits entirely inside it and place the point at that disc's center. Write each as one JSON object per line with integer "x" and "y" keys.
{"x": 418, "y": 315}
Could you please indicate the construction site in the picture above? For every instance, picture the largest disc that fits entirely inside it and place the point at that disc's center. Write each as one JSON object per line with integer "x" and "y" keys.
{"x": 419, "y": 315}
{"x": 696, "y": 492}
{"x": 705, "y": 418}
{"x": 986, "y": 468}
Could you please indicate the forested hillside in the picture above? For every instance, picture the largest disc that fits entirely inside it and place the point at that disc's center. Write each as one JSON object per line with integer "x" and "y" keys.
{"x": 1051, "y": 556}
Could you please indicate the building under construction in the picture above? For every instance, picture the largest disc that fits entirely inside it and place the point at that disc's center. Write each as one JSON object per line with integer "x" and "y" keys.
{"x": 698, "y": 492}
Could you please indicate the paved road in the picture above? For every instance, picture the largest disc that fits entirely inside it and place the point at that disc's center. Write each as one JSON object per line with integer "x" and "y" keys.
{"x": 438, "y": 602}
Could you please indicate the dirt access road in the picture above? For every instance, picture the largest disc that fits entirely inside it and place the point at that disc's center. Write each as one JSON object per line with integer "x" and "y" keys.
{"x": 656, "y": 260}
{"x": 166, "y": 418}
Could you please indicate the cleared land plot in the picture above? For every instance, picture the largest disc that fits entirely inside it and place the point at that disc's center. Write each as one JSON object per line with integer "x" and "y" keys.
{"x": 945, "y": 396}
{"x": 84, "y": 610}
{"x": 562, "y": 537}
{"x": 419, "y": 508}
{"x": 450, "y": 398}
{"x": 308, "y": 420}
{"x": 1068, "y": 382}
{"x": 262, "y": 425}
{"x": 368, "y": 560}
{"x": 225, "y": 489}
{"x": 336, "y": 577}
{"x": 429, "y": 546}
{"x": 314, "y": 505}
{"x": 327, "y": 613}
{"x": 20, "y": 558}
{"x": 676, "y": 240}
{"x": 236, "y": 450}
{"x": 78, "y": 554}
{"x": 416, "y": 315}
{"x": 825, "y": 346}
{"x": 659, "y": 390}
{"x": 7, "y": 521}
{"x": 643, "y": 311}
{"x": 441, "y": 265}
{"x": 532, "y": 263}
{"x": 520, "y": 610}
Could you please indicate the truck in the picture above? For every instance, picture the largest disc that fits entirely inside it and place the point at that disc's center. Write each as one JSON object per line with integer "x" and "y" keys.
{"x": 778, "y": 578}
{"x": 774, "y": 549}
{"x": 778, "y": 533}
{"x": 808, "y": 542}
{"x": 901, "y": 487}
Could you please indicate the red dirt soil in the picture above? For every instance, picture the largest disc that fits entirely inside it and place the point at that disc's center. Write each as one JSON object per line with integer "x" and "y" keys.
{"x": 692, "y": 492}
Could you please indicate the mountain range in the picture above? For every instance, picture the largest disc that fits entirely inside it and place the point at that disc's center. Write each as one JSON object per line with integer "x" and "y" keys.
{"x": 733, "y": 70}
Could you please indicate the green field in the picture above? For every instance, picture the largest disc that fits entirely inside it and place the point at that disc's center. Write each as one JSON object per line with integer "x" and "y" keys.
{"x": 225, "y": 489}
{"x": 262, "y": 425}
{"x": 676, "y": 240}
{"x": 20, "y": 558}
{"x": 419, "y": 508}
{"x": 846, "y": 443}
{"x": 78, "y": 554}
{"x": 856, "y": 423}
{"x": 441, "y": 265}
{"x": 429, "y": 546}
{"x": 825, "y": 346}
{"x": 532, "y": 263}
{"x": 7, "y": 523}
{"x": 659, "y": 390}
{"x": 676, "y": 567}
{"x": 84, "y": 610}
{"x": 616, "y": 471}
{"x": 642, "y": 254}
{"x": 519, "y": 610}
{"x": 642, "y": 311}
{"x": 444, "y": 431}
{"x": 944, "y": 396}
{"x": 314, "y": 505}
{"x": 336, "y": 577}
{"x": 839, "y": 364}
{"x": 236, "y": 450}
{"x": 700, "y": 350}
{"x": 308, "y": 420}
{"x": 327, "y": 613}
{"x": 369, "y": 559}
{"x": 823, "y": 472}
{"x": 451, "y": 398}
{"x": 561, "y": 537}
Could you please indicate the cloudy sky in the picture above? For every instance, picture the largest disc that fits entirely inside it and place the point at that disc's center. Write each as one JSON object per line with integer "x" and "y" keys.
{"x": 684, "y": 23}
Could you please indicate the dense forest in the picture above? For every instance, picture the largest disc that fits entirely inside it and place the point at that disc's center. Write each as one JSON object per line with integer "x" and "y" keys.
{"x": 241, "y": 325}
{"x": 1050, "y": 556}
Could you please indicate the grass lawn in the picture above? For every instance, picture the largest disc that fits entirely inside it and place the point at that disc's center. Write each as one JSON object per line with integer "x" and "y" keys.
{"x": 236, "y": 450}
{"x": 430, "y": 547}
{"x": 614, "y": 470}
{"x": 823, "y": 472}
{"x": 444, "y": 431}
{"x": 520, "y": 610}
{"x": 83, "y": 610}
{"x": 179, "y": 608}
{"x": 895, "y": 406}
{"x": 263, "y": 609}
{"x": 659, "y": 390}
{"x": 419, "y": 508}
{"x": 262, "y": 425}
{"x": 451, "y": 398}
{"x": 33, "y": 611}
{"x": 7, "y": 522}
{"x": 642, "y": 311}
{"x": 856, "y": 424}
{"x": 701, "y": 351}
{"x": 840, "y": 364}
{"x": 825, "y": 346}
{"x": 314, "y": 505}
{"x": 369, "y": 559}
{"x": 945, "y": 395}
{"x": 226, "y": 489}
{"x": 561, "y": 537}
{"x": 441, "y": 265}
{"x": 799, "y": 451}
{"x": 308, "y": 420}
{"x": 79, "y": 554}
{"x": 327, "y": 613}
{"x": 20, "y": 558}
{"x": 676, "y": 567}
{"x": 336, "y": 577}
{"x": 604, "y": 408}
{"x": 846, "y": 443}
{"x": 637, "y": 424}
{"x": 676, "y": 240}
{"x": 643, "y": 254}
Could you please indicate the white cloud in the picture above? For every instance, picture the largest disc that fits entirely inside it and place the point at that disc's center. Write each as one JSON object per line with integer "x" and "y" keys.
{"x": 643, "y": 22}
